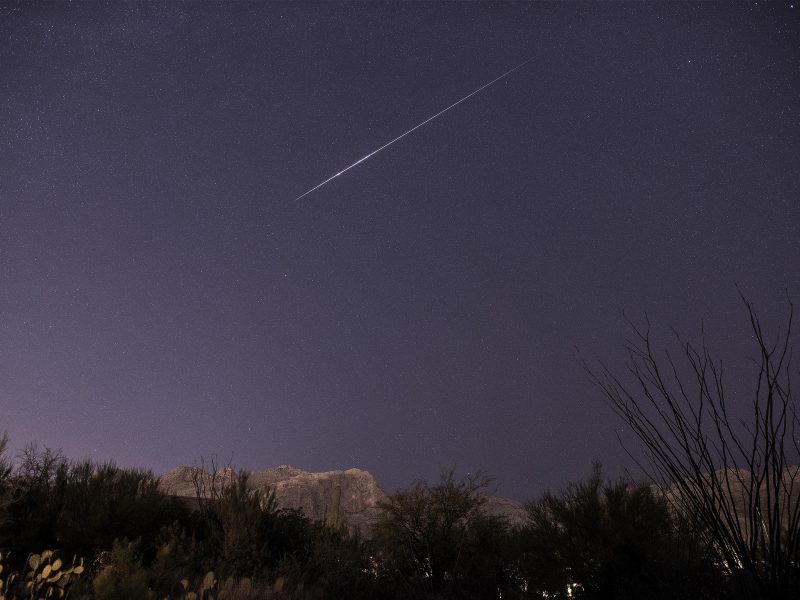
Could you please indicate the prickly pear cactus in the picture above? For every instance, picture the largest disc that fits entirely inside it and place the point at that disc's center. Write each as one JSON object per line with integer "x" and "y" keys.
{"x": 207, "y": 586}
{"x": 6, "y": 580}
{"x": 46, "y": 577}
{"x": 205, "y": 589}
{"x": 49, "y": 577}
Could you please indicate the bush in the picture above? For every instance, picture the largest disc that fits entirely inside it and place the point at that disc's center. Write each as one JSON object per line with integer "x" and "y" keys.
{"x": 5, "y": 481}
{"x": 124, "y": 578}
{"x": 337, "y": 565}
{"x": 34, "y": 502}
{"x": 610, "y": 540}
{"x": 735, "y": 476}
{"x": 437, "y": 541}
{"x": 103, "y": 502}
{"x": 233, "y": 529}
{"x": 80, "y": 508}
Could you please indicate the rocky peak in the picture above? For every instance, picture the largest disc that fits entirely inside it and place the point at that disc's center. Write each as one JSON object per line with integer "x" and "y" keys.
{"x": 350, "y": 497}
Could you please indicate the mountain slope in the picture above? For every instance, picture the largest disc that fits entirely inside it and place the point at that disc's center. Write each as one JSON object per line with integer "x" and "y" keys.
{"x": 356, "y": 492}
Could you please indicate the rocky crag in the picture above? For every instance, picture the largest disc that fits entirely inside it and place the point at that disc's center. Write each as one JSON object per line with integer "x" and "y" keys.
{"x": 349, "y": 498}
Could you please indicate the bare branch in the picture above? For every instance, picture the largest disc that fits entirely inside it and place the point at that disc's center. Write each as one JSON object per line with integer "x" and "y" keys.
{"x": 732, "y": 477}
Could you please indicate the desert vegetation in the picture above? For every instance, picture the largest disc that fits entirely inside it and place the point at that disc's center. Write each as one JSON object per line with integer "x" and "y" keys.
{"x": 732, "y": 473}
{"x": 84, "y": 530}
{"x": 718, "y": 517}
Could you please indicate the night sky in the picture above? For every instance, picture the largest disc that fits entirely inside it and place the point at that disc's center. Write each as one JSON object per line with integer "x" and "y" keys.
{"x": 163, "y": 297}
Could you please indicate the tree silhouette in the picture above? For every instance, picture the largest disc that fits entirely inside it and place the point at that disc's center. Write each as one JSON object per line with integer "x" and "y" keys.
{"x": 439, "y": 542}
{"x": 597, "y": 539}
{"x": 735, "y": 479}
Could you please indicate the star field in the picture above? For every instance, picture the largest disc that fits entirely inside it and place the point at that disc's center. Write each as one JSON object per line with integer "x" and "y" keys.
{"x": 163, "y": 297}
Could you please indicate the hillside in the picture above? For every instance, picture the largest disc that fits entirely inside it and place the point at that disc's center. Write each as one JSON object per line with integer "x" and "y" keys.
{"x": 315, "y": 493}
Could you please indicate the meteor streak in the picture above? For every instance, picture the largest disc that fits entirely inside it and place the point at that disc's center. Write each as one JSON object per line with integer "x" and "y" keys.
{"x": 400, "y": 137}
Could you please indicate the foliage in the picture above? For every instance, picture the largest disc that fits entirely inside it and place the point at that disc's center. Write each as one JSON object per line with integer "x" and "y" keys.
{"x": 37, "y": 489}
{"x": 609, "y": 540}
{"x": 241, "y": 530}
{"x": 734, "y": 479}
{"x": 592, "y": 540}
{"x": 124, "y": 578}
{"x": 337, "y": 565}
{"x": 5, "y": 480}
{"x": 437, "y": 541}
{"x": 104, "y": 502}
{"x": 82, "y": 507}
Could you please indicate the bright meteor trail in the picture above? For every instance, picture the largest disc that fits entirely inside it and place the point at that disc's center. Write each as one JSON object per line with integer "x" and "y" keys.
{"x": 400, "y": 137}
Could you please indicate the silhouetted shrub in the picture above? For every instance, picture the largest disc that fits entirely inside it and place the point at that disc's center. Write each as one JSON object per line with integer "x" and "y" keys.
{"x": 124, "y": 578}
{"x": 438, "y": 541}
{"x": 734, "y": 476}
{"x": 104, "y": 502}
{"x": 34, "y": 502}
{"x": 79, "y": 508}
{"x": 5, "y": 481}
{"x": 593, "y": 540}
{"x": 232, "y": 529}
{"x": 610, "y": 540}
{"x": 337, "y": 564}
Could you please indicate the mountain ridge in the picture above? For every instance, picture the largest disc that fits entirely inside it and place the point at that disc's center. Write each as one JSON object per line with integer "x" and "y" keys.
{"x": 351, "y": 496}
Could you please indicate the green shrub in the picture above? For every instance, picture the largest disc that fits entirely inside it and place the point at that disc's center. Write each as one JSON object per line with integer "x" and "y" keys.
{"x": 124, "y": 578}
